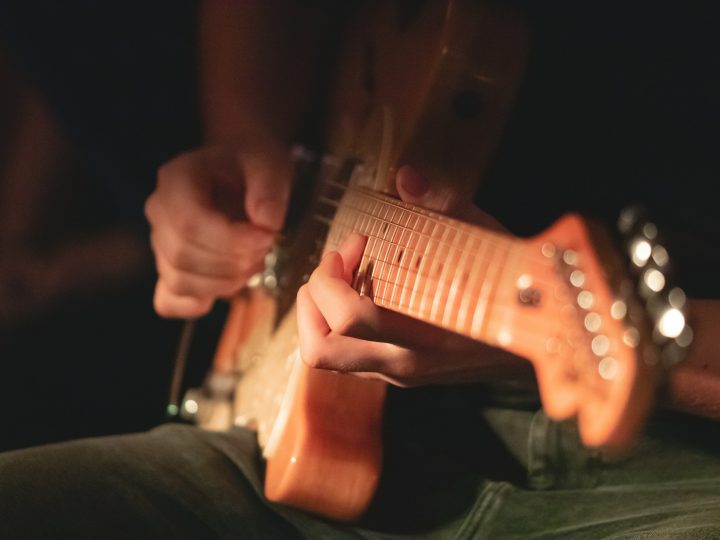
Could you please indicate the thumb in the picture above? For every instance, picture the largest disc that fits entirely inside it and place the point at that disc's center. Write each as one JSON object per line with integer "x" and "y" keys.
{"x": 267, "y": 188}
{"x": 351, "y": 252}
{"x": 416, "y": 189}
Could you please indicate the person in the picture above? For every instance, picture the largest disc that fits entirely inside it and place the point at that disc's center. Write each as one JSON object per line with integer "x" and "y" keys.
{"x": 463, "y": 461}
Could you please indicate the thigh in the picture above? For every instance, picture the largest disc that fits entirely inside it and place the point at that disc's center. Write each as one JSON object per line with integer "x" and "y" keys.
{"x": 667, "y": 487}
{"x": 171, "y": 482}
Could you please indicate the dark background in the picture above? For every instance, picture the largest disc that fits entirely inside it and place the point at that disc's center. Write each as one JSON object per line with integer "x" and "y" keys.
{"x": 621, "y": 104}
{"x": 119, "y": 80}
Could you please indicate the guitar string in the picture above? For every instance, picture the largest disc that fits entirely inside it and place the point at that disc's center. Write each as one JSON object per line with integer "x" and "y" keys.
{"x": 462, "y": 307}
{"x": 418, "y": 273}
{"x": 445, "y": 221}
{"x": 397, "y": 204}
{"x": 422, "y": 251}
{"x": 500, "y": 302}
{"x": 460, "y": 229}
{"x": 389, "y": 299}
{"x": 448, "y": 223}
{"x": 365, "y": 221}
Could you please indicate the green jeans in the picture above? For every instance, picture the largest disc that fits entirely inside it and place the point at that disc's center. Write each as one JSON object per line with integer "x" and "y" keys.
{"x": 451, "y": 472}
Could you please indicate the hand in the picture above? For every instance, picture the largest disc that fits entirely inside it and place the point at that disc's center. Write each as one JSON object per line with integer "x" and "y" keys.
{"x": 343, "y": 331}
{"x": 214, "y": 215}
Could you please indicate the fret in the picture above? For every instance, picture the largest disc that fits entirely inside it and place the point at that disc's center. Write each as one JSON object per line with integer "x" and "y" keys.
{"x": 417, "y": 253}
{"x": 399, "y": 215}
{"x": 375, "y": 231}
{"x": 388, "y": 213}
{"x": 494, "y": 267}
{"x": 366, "y": 261}
{"x": 406, "y": 255}
{"x": 475, "y": 279}
{"x": 364, "y": 214}
{"x": 421, "y": 279}
{"x": 459, "y": 281}
{"x": 385, "y": 269}
{"x": 438, "y": 259}
{"x": 397, "y": 274}
{"x": 434, "y": 268}
{"x": 443, "y": 287}
{"x": 501, "y": 319}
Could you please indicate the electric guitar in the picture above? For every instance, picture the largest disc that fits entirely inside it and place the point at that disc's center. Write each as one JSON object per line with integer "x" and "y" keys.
{"x": 431, "y": 84}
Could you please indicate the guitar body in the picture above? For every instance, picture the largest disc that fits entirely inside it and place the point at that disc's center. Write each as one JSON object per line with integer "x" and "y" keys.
{"x": 428, "y": 83}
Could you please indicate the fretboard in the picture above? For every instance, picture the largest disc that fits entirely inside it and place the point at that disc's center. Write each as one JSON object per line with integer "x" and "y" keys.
{"x": 425, "y": 265}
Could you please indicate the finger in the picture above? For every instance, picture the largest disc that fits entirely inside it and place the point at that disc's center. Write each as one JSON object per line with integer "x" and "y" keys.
{"x": 312, "y": 327}
{"x": 343, "y": 308}
{"x": 267, "y": 184}
{"x": 323, "y": 349}
{"x": 182, "y": 283}
{"x": 206, "y": 230}
{"x": 417, "y": 189}
{"x": 320, "y": 348}
{"x": 349, "y": 313}
{"x": 352, "y": 355}
{"x": 181, "y": 203}
{"x": 191, "y": 258}
{"x": 351, "y": 251}
{"x": 171, "y": 305}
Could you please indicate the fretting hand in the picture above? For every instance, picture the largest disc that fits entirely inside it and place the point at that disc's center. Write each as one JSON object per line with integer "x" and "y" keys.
{"x": 343, "y": 331}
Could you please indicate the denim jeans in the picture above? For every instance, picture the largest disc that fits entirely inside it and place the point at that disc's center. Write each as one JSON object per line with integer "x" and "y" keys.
{"x": 523, "y": 476}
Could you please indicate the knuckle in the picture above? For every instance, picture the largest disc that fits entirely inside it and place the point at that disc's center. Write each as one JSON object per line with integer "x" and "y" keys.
{"x": 178, "y": 256}
{"x": 165, "y": 307}
{"x": 229, "y": 287}
{"x": 405, "y": 366}
{"x": 187, "y": 227}
{"x": 171, "y": 306}
{"x": 302, "y": 294}
{"x": 179, "y": 284}
{"x": 165, "y": 171}
{"x": 149, "y": 207}
{"x": 349, "y": 323}
{"x": 356, "y": 318}
{"x": 313, "y": 357}
{"x": 405, "y": 371}
{"x": 249, "y": 263}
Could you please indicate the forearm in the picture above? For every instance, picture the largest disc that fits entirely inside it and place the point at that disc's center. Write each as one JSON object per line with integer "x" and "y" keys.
{"x": 260, "y": 65}
{"x": 693, "y": 386}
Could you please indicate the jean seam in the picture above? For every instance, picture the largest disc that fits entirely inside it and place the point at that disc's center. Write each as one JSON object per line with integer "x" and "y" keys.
{"x": 485, "y": 508}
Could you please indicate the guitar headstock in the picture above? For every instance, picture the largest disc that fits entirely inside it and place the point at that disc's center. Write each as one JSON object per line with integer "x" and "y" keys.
{"x": 608, "y": 326}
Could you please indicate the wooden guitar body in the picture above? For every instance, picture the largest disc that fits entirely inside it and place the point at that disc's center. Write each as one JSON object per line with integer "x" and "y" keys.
{"x": 429, "y": 84}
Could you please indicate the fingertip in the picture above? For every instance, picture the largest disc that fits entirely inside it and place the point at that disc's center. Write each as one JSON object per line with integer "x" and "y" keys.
{"x": 417, "y": 189}
{"x": 351, "y": 252}
{"x": 332, "y": 264}
{"x": 411, "y": 185}
{"x": 267, "y": 212}
{"x": 171, "y": 306}
{"x": 354, "y": 243}
{"x": 267, "y": 183}
{"x": 148, "y": 207}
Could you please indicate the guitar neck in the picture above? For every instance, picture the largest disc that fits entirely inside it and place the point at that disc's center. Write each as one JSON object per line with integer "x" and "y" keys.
{"x": 431, "y": 267}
